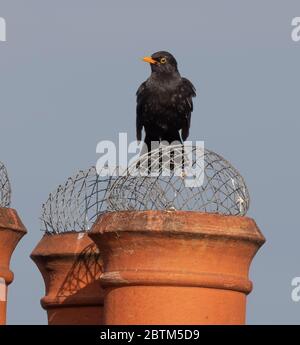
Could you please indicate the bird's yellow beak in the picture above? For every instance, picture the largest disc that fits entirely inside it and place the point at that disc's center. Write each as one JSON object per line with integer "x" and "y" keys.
{"x": 149, "y": 59}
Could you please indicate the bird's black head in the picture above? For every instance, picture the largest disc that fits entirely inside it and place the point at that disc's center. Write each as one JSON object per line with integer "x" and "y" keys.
{"x": 162, "y": 62}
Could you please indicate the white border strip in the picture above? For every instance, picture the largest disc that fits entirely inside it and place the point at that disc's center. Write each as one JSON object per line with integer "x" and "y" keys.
{"x": 2, "y": 290}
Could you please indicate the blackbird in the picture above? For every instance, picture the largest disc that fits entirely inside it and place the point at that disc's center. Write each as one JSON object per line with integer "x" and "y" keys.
{"x": 164, "y": 102}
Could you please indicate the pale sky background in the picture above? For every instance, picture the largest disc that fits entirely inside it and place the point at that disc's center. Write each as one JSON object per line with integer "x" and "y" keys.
{"x": 68, "y": 76}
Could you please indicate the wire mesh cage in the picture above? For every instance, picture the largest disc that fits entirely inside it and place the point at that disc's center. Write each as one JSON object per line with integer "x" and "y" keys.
{"x": 159, "y": 181}
{"x": 76, "y": 205}
{"x": 5, "y": 189}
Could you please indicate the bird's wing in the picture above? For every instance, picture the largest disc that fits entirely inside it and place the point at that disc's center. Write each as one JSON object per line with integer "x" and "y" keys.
{"x": 140, "y": 96}
{"x": 185, "y": 105}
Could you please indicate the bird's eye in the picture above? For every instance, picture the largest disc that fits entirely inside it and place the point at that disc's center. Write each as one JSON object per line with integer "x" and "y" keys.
{"x": 163, "y": 60}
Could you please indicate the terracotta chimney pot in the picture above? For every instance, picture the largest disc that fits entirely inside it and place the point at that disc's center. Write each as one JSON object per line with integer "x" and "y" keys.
{"x": 71, "y": 266}
{"x": 11, "y": 232}
{"x": 175, "y": 267}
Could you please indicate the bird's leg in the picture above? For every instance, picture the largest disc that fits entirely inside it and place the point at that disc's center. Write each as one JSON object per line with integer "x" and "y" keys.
{"x": 172, "y": 163}
{"x": 182, "y": 163}
{"x": 151, "y": 144}
{"x": 176, "y": 141}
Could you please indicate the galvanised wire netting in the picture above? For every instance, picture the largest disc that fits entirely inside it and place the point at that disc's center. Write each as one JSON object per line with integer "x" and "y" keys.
{"x": 5, "y": 189}
{"x": 158, "y": 181}
{"x": 166, "y": 178}
{"x": 75, "y": 205}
